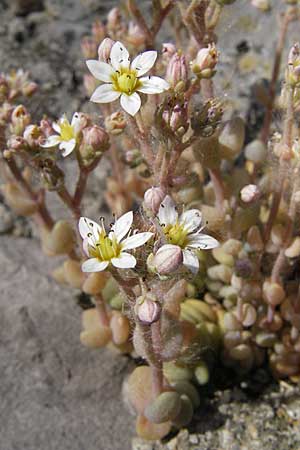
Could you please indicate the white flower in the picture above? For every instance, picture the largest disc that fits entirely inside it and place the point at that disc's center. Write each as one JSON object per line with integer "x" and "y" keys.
{"x": 124, "y": 79}
{"x": 66, "y": 134}
{"x": 185, "y": 232}
{"x": 103, "y": 249}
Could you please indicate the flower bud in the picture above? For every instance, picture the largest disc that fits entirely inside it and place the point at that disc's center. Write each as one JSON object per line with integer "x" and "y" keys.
{"x": 136, "y": 35}
{"x": 94, "y": 140}
{"x": 115, "y": 123}
{"x": 292, "y": 75}
{"x": 256, "y": 151}
{"x": 273, "y": 293}
{"x": 177, "y": 70}
{"x": 177, "y": 119}
{"x": 46, "y": 128}
{"x": 90, "y": 84}
{"x": 168, "y": 50}
{"x": 147, "y": 309}
{"x": 104, "y": 49}
{"x": 250, "y": 193}
{"x": 114, "y": 19}
{"x": 17, "y": 143}
{"x": 20, "y": 118}
{"x": 29, "y": 89}
{"x": 33, "y": 136}
{"x": 98, "y": 30}
{"x": 88, "y": 47}
{"x": 205, "y": 62}
{"x": 153, "y": 198}
{"x": 167, "y": 259}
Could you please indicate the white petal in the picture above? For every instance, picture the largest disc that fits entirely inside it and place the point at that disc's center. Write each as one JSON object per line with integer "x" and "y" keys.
{"x": 136, "y": 240}
{"x": 153, "y": 85}
{"x": 131, "y": 103}
{"x": 51, "y": 141}
{"x": 67, "y": 147}
{"x": 122, "y": 225}
{"x": 104, "y": 94}
{"x": 56, "y": 127}
{"x": 191, "y": 261}
{"x": 85, "y": 246}
{"x": 124, "y": 261}
{"x": 202, "y": 241}
{"x": 144, "y": 62}
{"x": 100, "y": 70}
{"x": 87, "y": 226}
{"x": 191, "y": 219}
{"x": 119, "y": 56}
{"x": 94, "y": 265}
{"x": 167, "y": 213}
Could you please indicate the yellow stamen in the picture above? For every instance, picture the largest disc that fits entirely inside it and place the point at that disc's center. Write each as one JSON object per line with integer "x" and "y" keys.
{"x": 176, "y": 234}
{"x": 67, "y": 132}
{"x": 126, "y": 81}
{"x": 105, "y": 248}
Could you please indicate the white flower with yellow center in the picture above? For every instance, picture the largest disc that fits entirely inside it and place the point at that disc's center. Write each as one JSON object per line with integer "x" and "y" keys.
{"x": 124, "y": 79}
{"x": 66, "y": 134}
{"x": 104, "y": 249}
{"x": 185, "y": 231}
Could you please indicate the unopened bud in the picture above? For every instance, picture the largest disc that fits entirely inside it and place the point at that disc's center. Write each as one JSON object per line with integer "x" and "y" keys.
{"x": 168, "y": 50}
{"x": 46, "y": 128}
{"x": 29, "y": 89}
{"x": 95, "y": 140}
{"x": 250, "y": 193}
{"x": 17, "y": 143}
{"x": 177, "y": 71}
{"x": 153, "y": 198}
{"x": 292, "y": 75}
{"x": 205, "y": 62}
{"x": 33, "y": 136}
{"x": 98, "y": 30}
{"x": 136, "y": 35}
{"x": 114, "y": 19}
{"x": 167, "y": 259}
{"x": 177, "y": 119}
{"x": 104, "y": 49}
{"x": 20, "y": 118}
{"x": 90, "y": 83}
{"x": 115, "y": 123}
{"x": 273, "y": 293}
{"x": 147, "y": 309}
{"x": 88, "y": 47}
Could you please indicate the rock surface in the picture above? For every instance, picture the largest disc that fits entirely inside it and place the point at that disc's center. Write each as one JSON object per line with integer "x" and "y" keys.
{"x": 55, "y": 394}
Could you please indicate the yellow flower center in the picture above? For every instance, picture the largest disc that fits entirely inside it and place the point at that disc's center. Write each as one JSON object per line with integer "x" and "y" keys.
{"x": 67, "y": 132}
{"x": 176, "y": 234}
{"x": 105, "y": 248}
{"x": 126, "y": 81}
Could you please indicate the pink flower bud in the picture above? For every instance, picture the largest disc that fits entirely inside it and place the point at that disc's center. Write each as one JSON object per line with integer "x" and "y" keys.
{"x": 29, "y": 89}
{"x": 250, "y": 193}
{"x": 177, "y": 119}
{"x": 17, "y": 143}
{"x": 153, "y": 198}
{"x": 46, "y": 128}
{"x": 90, "y": 83}
{"x": 147, "y": 309}
{"x": 104, "y": 49}
{"x": 136, "y": 35}
{"x": 168, "y": 50}
{"x": 115, "y": 123}
{"x": 205, "y": 61}
{"x": 88, "y": 47}
{"x": 114, "y": 19}
{"x": 98, "y": 30}
{"x": 20, "y": 118}
{"x": 95, "y": 139}
{"x": 167, "y": 259}
{"x": 177, "y": 70}
{"x": 33, "y": 136}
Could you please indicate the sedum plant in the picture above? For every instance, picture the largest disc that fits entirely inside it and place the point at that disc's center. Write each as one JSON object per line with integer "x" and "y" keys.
{"x": 200, "y": 264}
